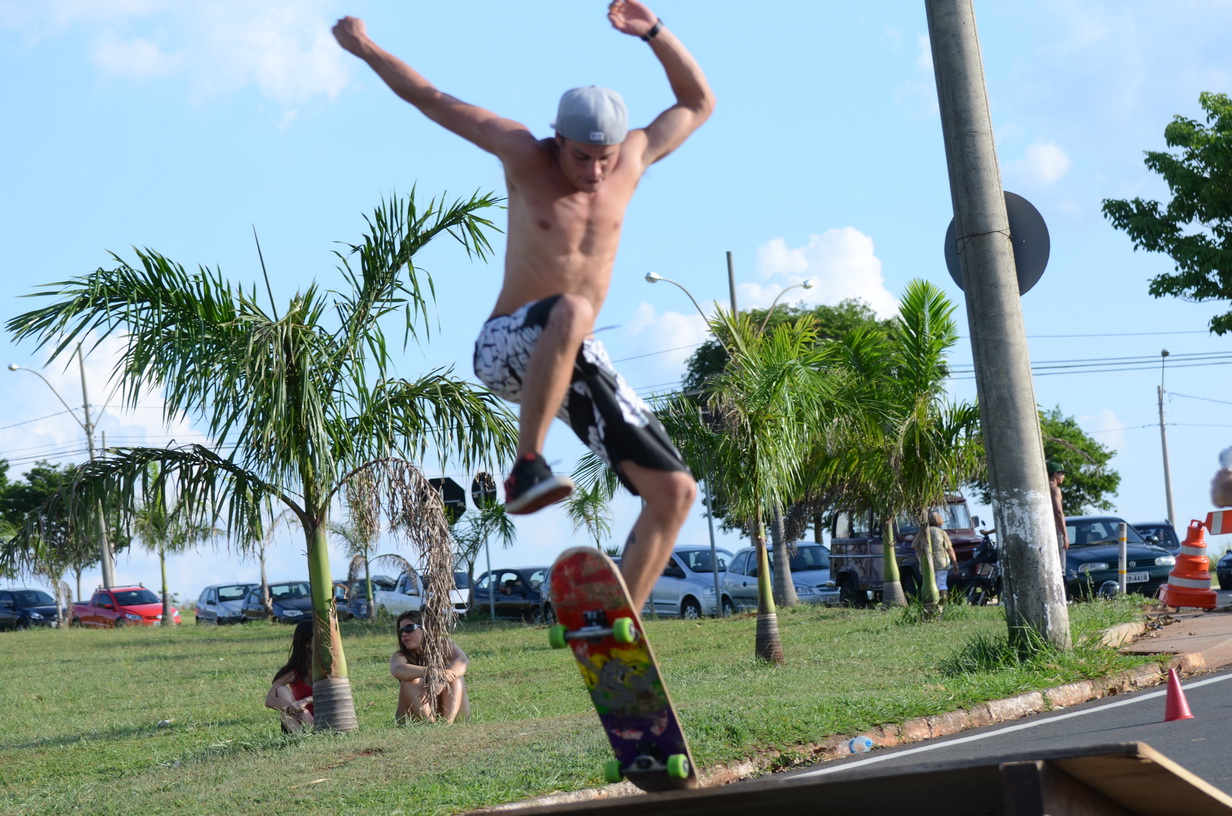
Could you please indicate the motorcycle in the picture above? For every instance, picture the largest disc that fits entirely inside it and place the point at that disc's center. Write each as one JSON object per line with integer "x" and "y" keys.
{"x": 979, "y": 578}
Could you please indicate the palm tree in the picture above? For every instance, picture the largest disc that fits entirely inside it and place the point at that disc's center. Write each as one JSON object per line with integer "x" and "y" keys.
{"x": 172, "y": 528}
{"x": 304, "y": 400}
{"x": 475, "y": 530}
{"x": 757, "y": 423}
{"x": 914, "y": 443}
{"x": 589, "y": 510}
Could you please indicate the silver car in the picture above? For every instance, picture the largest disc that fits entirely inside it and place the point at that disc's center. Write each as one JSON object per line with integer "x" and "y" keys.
{"x": 810, "y": 573}
{"x": 686, "y": 587}
{"x": 222, "y": 603}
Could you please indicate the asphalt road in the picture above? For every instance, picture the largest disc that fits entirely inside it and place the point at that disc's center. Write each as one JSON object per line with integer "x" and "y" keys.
{"x": 1202, "y": 745}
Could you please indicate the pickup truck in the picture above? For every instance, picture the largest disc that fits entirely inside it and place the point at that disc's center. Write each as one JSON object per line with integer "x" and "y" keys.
{"x": 406, "y": 596}
{"x": 121, "y": 606}
{"x": 857, "y": 557}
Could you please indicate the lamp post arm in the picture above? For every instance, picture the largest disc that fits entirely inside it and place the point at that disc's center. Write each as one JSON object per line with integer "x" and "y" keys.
{"x": 71, "y": 411}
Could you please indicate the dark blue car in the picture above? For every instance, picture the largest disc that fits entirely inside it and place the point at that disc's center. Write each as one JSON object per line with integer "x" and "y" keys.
{"x": 23, "y": 608}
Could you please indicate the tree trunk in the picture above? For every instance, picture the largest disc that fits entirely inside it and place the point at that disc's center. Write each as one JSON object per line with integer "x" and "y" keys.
{"x": 368, "y": 587}
{"x": 333, "y": 705}
{"x": 892, "y": 586}
{"x": 162, "y": 566}
{"x": 784, "y": 586}
{"x": 929, "y": 596}
{"x": 768, "y": 646}
{"x": 267, "y": 603}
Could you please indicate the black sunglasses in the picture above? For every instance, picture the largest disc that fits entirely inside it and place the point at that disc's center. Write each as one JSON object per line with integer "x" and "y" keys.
{"x": 410, "y": 627}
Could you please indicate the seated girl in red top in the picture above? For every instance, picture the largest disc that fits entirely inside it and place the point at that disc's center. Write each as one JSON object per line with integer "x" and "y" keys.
{"x": 291, "y": 692}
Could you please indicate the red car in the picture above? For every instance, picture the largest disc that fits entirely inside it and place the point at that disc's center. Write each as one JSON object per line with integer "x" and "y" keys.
{"x": 121, "y": 606}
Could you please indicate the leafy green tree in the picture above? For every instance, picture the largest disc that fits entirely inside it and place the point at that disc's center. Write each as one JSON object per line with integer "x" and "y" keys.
{"x": 305, "y": 399}
{"x": 1089, "y": 480}
{"x": 757, "y": 422}
{"x": 1195, "y": 227}
{"x": 589, "y": 510}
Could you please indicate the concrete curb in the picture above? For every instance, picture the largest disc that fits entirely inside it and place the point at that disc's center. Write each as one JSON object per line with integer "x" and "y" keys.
{"x": 933, "y": 726}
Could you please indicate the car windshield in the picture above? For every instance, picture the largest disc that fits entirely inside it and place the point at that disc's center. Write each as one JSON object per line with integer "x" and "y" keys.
{"x": 701, "y": 560}
{"x": 133, "y": 597}
{"x": 957, "y": 517}
{"x": 232, "y": 593}
{"x": 1087, "y": 532}
{"x": 810, "y": 557}
{"x": 287, "y": 592}
{"x": 32, "y": 597}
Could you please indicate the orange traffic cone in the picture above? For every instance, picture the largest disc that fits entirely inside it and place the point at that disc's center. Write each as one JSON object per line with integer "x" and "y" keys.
{"x": 1189, "y": 583}
{"x": 1176, "y": 708}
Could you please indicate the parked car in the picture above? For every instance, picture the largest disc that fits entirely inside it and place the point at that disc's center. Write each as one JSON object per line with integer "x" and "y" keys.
{"x": 516, "y": 592}
{"x": 357, "y": 596}
{"x": 22, "y": 608}
{"x": 292, "y": 601}
{"x": 405, "y": 596}
{"x": 121, "y": 606}
{"x": 223, "y": 603}
{"x": 810, "y": 574}
{"x": 459, "y": 596}
{"x": 686, "y": 587}
{"x": 1223, "y": 571}
{"x": 1091, "y": 560}
{"x": 1161, "y": 534}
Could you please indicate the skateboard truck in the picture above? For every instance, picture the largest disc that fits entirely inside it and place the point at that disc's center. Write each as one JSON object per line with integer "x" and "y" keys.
{"x": 676, "y": 767}
{"x": 596, "y": 626}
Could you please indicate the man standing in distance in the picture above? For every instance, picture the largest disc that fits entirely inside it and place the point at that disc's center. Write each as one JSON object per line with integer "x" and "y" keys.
{"x": 1056, "y": 475}
{"x": 567, "y": 199}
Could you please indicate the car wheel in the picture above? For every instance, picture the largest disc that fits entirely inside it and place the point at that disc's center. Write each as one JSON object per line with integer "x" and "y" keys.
{"x": 119, "y": 623}
{"x": 74, "y": 622}
{"x": 23, "y": 623}
{"x": 690, "y": 609}
{"x": 549, "y": 615}
{"x": 848, "y": 595}
{"x": 729, "y": 608}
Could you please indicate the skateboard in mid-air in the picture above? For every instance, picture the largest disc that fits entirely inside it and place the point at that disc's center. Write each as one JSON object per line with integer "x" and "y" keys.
{"x": 596, "y": 620}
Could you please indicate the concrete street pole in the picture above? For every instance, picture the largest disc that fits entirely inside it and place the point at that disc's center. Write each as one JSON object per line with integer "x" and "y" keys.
{"x": 106, "y": 558}
{"x": 1163, "y": 439}
{"x": 1021, "y": 503}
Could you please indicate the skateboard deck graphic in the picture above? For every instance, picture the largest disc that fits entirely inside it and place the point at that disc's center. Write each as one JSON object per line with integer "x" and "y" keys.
{"x": 596, "y": 620}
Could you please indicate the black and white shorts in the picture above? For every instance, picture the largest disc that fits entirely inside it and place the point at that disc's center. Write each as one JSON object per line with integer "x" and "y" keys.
{"x": 599, "y": 405}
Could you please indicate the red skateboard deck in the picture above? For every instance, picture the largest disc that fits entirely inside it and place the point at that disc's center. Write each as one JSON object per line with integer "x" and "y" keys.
{"x": 596, "y": 620}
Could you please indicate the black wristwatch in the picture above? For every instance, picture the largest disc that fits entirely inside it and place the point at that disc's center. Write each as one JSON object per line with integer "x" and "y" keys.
{"x": 653, "y": 32}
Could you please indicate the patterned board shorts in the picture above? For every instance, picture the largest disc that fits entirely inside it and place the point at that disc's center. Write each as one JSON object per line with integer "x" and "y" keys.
{"x": 599, "y": 405}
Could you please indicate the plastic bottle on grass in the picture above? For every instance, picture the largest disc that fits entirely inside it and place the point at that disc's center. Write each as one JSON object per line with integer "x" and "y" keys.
{"x": 860, "y": 745}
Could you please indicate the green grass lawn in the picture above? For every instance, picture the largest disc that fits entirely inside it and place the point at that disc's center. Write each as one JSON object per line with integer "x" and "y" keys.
{"x": 79, "y": 709}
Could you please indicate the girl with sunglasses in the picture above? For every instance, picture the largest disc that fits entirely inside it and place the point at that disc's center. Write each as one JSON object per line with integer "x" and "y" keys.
{"x": 408, "y": 666}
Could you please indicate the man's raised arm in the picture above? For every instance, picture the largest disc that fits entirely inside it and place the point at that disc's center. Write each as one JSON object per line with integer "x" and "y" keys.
{"x": 694, "y": 99}
{"x": 479, "y": 126}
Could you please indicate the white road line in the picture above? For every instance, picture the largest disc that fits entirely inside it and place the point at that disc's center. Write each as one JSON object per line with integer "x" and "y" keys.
{"x": 932, "y": 746}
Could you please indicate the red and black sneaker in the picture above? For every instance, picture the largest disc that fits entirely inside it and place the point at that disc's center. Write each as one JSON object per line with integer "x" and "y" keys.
{"x": 532, "y": 486}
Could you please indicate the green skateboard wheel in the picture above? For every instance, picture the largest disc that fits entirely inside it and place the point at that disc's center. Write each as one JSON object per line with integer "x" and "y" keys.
{"x": 556, "y": 636}
{"x": 678, "y": 766}
{"x": 623, "y": 630}
{"x": 611, "y": 771}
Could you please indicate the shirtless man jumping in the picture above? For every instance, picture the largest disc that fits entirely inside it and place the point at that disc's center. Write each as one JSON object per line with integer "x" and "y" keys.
{"x": 567, "y": 200}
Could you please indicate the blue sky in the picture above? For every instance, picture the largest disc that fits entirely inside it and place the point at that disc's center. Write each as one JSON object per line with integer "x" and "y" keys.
{"x": 182, "y": 127}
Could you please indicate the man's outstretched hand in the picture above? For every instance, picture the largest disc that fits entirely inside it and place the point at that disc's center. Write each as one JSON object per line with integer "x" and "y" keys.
{"x": 351, "y": 34}
{"x": 631, "y": 17}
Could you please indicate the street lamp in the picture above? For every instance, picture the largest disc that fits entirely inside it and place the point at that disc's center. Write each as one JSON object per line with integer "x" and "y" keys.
{"x": 807, "y": 283}
{"x": 104, "y": 546}
{"x": 654, "y": 277}
{"x": 1163, "y": 438}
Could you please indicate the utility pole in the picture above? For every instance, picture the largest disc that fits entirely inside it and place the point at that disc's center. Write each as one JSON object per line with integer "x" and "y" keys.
{"x": 104, "y": 543}
{"x": 1163, "y": 438}
{"x": 731, "y": 281}
{"x": 1009, "y": 419}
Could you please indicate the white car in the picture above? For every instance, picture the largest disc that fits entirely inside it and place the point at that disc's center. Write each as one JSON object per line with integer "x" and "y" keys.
{"x": 459, "y": 596}
{"x": 810, "y": 573}
{"x": 686, "y": 587}
{"x": 406, "y": 596}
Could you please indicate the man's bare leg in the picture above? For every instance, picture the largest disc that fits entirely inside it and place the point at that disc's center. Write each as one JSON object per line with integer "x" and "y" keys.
{"x": 550, "y": 369}
{"x": 669, "y": 496}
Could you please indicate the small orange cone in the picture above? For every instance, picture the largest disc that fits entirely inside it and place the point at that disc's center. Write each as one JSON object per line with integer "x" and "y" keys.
{"x": 1176, "y": 707}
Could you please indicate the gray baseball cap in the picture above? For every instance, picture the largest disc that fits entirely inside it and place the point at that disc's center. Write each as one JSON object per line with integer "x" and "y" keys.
{"x": 592, "y": 115}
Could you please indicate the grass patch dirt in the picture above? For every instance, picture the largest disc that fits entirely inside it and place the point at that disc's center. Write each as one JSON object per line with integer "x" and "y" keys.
{"x": 80, "y": 731}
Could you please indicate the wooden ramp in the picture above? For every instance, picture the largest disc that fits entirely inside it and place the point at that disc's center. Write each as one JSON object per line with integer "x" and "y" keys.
{"x": 1107, "y": 780}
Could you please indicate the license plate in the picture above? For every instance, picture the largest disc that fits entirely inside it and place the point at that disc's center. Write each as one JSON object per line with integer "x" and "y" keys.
{"x": 1137, "y": 577}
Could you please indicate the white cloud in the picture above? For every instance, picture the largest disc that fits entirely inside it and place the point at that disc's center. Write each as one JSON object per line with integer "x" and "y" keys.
{"x": 284, "y": 50}
{"x": 668, "y": 338}
{"x": 1044, "y": 163}
{"x": 1107, "y": 428}
{"x": 841, "y": 263}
